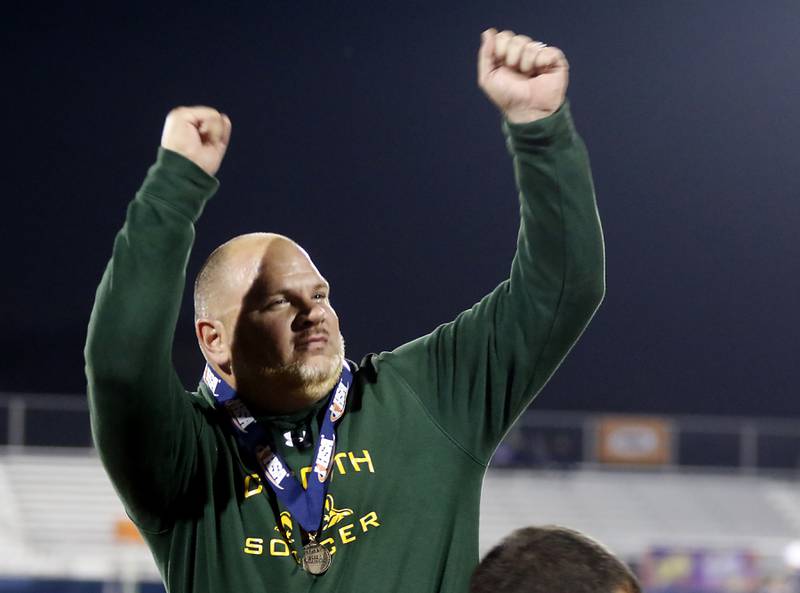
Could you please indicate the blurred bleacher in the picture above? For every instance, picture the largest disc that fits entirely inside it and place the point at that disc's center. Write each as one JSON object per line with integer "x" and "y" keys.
{"x": 632, "y": 512}
{"x": 650, "y": 488}
{"x": 67, "y": 520}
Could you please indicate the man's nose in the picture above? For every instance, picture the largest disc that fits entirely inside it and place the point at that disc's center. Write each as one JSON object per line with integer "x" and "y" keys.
{"x": 314, "y": 313}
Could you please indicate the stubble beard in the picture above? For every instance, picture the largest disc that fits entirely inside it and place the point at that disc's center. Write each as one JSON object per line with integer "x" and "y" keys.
{"x": 306, "y": 381}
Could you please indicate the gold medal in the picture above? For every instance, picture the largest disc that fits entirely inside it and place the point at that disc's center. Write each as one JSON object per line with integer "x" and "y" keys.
{"x": 316, "y": 557}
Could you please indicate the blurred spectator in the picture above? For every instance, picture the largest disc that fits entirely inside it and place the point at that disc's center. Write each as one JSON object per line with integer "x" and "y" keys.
{"x": 551, "y": 560}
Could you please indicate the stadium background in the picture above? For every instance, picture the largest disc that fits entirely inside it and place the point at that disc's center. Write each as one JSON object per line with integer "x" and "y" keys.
{"x": 671, "y": 430}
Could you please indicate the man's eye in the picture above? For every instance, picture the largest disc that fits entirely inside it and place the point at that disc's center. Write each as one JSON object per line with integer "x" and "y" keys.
{"x": 276, "y": 303}
{"x": 320, "y": 296}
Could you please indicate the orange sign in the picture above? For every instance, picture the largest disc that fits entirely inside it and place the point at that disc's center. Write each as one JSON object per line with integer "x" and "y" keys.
{"x": 636, "y": 440}
{"x": 125, "y": 531}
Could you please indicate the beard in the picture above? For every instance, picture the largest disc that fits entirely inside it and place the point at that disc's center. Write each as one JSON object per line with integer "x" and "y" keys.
{"x": 309, "y": 380}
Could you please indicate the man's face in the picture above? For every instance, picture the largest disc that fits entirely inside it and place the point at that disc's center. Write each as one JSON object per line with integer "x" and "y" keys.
{"x": 286, "y": 330}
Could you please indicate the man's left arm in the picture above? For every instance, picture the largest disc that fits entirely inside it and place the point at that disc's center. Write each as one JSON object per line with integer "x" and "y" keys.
{"x": 478, "y": 373}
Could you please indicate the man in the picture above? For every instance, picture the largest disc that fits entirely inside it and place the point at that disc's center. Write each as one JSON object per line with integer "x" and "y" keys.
{"x": 551, "y": 560}
{"x": 289, "y": 468}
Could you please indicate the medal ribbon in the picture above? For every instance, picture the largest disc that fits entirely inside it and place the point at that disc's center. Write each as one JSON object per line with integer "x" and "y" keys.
{"x": 305, "y": 504}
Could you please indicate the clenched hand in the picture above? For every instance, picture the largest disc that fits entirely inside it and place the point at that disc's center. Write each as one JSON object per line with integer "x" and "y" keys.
{"x": 201, "y": 134}
{"x": 526, "y": 79}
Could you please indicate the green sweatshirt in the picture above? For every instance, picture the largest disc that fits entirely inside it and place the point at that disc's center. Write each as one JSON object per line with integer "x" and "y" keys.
{"x": 422, "y": 421}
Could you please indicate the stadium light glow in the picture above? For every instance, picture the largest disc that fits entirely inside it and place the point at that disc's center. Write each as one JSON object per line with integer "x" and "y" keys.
{"x": 791, "y": 554}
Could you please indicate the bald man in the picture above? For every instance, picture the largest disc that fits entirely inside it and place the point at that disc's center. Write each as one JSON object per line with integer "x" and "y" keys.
{"x": 291, "y": 468}
{"x": 251, "y": 287}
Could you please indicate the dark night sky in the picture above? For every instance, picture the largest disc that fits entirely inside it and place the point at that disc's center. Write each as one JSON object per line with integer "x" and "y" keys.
{"x": 359, "y": 131}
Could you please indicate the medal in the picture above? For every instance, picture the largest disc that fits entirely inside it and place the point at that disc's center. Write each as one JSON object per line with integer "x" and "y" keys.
{"x": 316, "y": 557}
{"x": 306, "y": 505}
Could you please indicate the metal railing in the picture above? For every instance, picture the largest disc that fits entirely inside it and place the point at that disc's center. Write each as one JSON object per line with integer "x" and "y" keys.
{"x": 44, "y": 420}
{"x": 576, "y": 439}
{"x": 542, "y": 439}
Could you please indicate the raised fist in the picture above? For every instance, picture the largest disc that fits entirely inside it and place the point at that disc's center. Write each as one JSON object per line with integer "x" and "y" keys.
{"x": 526, "y": 79}
{"x": 201, "y": 134}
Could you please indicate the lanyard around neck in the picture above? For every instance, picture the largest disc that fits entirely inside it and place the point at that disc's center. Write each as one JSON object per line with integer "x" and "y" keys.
{"x": 305, "y": 504}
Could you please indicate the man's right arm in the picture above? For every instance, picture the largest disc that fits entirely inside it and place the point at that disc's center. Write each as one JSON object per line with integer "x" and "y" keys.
{"x": 142, "y": 421}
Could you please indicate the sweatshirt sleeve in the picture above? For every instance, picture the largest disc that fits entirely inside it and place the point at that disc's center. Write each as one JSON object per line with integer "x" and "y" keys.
{"x": 144, "y": 424}
{"x": 477, "y": 374}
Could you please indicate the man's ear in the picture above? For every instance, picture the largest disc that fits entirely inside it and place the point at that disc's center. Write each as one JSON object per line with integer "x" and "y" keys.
{"x": 214, "y": 342}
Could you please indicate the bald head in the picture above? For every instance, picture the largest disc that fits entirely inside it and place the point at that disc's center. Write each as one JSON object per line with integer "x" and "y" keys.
{"x": 232, "y": 267}
{"x": 263, "y": 318}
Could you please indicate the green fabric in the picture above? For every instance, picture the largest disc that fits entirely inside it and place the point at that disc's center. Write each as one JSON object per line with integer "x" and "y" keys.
{"x": 422, "y": 421}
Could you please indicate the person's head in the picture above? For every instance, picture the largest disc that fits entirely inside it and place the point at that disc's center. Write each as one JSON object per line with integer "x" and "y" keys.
{"x": 551, "y": 560}
{"x": 264, "y": 321}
